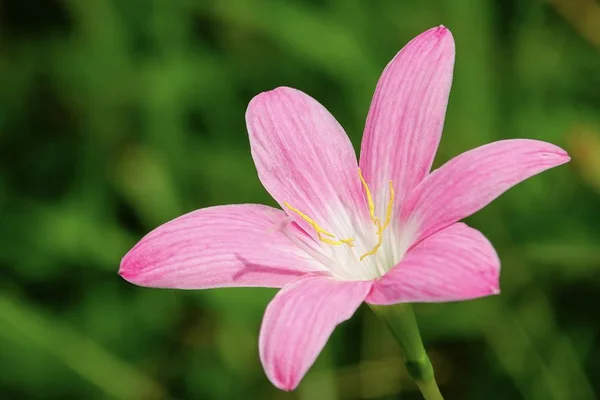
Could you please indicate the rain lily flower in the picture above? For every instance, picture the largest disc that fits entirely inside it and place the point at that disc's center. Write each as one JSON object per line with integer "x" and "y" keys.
{"x": 384, "y": 230}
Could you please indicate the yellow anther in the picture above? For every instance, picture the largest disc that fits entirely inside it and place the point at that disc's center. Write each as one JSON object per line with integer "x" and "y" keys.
{"x": 376, "y": 221}
{"x": 369, "y": 198}
{"x": 379, "y": 241}
{"x": 320, "y": 231}
{"x": 312, "y": 223}
{"x": 390, "y": 208}
{"x": 349, "y": 242}
{"x": 309, "y": 220}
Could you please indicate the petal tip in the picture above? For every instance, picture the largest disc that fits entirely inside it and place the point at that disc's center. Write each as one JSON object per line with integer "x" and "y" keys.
{"x": 125, "y": 275}
{"x": 287, "y": 387}
{"x": 273, "y": 92}
{"x": 494, "y": 289}
{"x": 558, "y": 155}
{"x": 264, "y": 100}
{"x": 564, "y": 156}
{"x": 441, "y": 33}
{"x": 439, "y": 37}
{"x": 281, "y": 381}
{"x": 442, "y": 30}
{"x": 128, "y": 269}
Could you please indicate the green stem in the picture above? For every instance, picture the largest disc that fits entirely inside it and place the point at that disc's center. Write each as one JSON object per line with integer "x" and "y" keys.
{"x": 401, "y": 320}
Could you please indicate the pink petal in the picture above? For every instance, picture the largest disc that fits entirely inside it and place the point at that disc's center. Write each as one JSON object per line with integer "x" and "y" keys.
{"x": 236, "y": 245}
{"x": 470, "y": 181}
{"x": 456, "y": 263}
{"x": 303, "y": 156}
{"x": 298, "y": 322}
{"x": 407, "y": 113}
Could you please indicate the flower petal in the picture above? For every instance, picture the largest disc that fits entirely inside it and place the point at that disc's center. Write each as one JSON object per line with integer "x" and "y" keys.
{"x": 456, "y": 263}
{"x": 236, "y": 245}
{"x": 303, "y": 157}
{"x": 470, "y": 181}
{"x": 298, "y": 322}
{"x": 407, "y": 113}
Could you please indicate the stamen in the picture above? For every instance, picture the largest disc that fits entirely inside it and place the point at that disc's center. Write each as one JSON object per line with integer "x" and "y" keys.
{"x": 390, "y": 208}
{"x": 379, "y": 240}
{"x": 369, "y": 198}
{"x": 376, "y": 221}
{"x": 320, "y": 231}
{"x": 349, "y": 242}
{"x": 323, "y": 259}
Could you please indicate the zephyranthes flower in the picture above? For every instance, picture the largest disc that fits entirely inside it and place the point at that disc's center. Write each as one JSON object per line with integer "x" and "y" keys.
{"x": 383, "y": 230}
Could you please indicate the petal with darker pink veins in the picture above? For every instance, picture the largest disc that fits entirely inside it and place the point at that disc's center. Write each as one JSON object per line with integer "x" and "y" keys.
{"x": 224, "y": 246}
{"x": 470, "y": 181}
{"x": 304, "y": 158}
{"x": 407, "y": 113}
{"x": 456, "y": 263}
{"x": 298, "y": 322}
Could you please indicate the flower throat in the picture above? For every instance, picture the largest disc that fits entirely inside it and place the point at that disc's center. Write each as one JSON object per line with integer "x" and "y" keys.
{"x": 329, "y": 238}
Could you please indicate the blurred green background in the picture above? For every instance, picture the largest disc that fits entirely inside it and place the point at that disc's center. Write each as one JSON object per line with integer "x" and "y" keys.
{"x": 116, "y": 116}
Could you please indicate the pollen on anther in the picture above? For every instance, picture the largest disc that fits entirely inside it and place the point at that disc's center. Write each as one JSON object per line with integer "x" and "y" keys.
{"x": 320, "y": 231}
{"x": 388, "y": 215}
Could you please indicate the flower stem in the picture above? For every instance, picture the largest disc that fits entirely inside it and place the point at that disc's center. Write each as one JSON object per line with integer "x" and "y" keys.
{"x": 401, "y": 320}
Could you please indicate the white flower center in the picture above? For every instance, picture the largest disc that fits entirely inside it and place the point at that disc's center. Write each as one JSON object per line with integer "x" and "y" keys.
{"x": 358, "y": 250}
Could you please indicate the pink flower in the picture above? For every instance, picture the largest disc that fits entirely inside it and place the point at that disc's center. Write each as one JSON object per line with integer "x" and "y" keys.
{"x": 381, "y": 231}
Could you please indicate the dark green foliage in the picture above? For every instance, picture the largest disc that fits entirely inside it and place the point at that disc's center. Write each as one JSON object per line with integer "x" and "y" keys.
{"x": 116, "y": 116}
